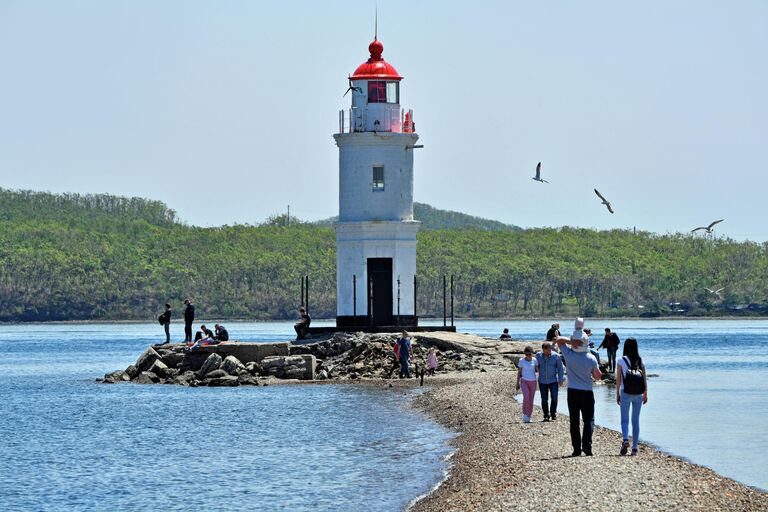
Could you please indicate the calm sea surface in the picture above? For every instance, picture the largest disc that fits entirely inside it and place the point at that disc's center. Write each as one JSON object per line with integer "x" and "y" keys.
{"x": 69, "y": 443}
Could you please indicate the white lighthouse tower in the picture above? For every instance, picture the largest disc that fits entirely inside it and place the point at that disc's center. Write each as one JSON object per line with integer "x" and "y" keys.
{"x": 376, "y": 232}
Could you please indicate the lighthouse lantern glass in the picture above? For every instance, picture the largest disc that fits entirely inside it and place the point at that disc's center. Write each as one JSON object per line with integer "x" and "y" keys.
{"x": 380, "y": 91}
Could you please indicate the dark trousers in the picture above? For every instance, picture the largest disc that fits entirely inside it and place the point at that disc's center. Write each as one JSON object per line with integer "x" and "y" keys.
{"x": 188, "y": 331}
{"x": 581, "y": 403}
{"x": 167, "y": 328}
{"x": 546, "y": 390}
{"x": 611, "y": 359}
{"x": 299, "y": 328}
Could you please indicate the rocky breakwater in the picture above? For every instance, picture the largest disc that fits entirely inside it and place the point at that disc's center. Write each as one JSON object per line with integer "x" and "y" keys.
{"x": 357, "y": 355}
{"x": 226, "y": 364}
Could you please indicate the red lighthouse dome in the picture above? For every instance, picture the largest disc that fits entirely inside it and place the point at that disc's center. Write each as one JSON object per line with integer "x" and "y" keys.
{"x": 376, "y": 68}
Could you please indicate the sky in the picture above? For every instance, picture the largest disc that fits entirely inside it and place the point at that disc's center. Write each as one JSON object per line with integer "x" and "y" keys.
{"x": 225, "y": 110}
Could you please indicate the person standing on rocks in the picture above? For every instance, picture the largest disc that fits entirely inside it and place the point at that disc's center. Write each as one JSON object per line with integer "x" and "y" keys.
{"x": 631, "y": 390}
{"x": 189, "y": 317}
{"x": 405, "y": 350}
{"x": 526, "y": 379}
{"x": 611, "y": 343}
{"x": 550, "y": 379}
{"x": 165, "y": 321}
{"x": 432, "y": 361}
{"x": 582, "y": 367}
{"x": 553, "y": 332}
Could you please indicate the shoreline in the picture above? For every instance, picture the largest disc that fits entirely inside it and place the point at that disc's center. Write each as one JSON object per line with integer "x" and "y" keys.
{"x": 500, "y": 463}
{"x": 435, "y": 319}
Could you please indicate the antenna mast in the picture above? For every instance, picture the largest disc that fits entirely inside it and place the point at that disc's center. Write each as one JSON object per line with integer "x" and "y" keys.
{"x": 376, "y": 25}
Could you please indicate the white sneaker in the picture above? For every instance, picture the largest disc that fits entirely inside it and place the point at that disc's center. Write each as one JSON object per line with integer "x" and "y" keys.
{"x": 526, "y": 419}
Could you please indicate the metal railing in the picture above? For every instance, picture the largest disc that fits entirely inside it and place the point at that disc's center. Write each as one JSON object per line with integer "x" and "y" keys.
{"x": 353, "y": 120}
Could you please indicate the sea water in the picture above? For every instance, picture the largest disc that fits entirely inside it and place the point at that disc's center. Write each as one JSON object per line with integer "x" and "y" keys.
{"x": 709, "y": 403}
{"x": 69, "y": 443}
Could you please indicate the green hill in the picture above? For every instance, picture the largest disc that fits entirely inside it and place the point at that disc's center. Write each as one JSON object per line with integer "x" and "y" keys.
{"x": 434, "y": 218}
{"x": 82, "y": 257}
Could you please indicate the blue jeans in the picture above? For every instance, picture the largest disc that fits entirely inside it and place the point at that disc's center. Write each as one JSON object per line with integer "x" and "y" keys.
{"x": 637, "y": 403}
{"x": 546, "y": 389}
{"x": 405, "y": 371}
{"x": 611, "y": 359}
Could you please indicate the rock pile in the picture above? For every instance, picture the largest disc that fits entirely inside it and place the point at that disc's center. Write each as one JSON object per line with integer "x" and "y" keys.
{"x": 173, "y": 364}
{"x": 357, "y": 355}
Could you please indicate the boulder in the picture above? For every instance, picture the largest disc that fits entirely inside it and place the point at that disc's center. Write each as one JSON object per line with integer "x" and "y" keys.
{"x": 215, "y": 374}
{"x": 231, "y": 365}
{"x": 211, "y": 363}
{"x": 227, "y": 380}
{"x": 114, "y": 377}
{"x": 253, "y": 368}
{"x": 159, "y": 368}
{"x": 173, "y": 359}
{"x": 247, "y": 380}
{"x": 147, "y": 378}
{"x": 184, "y": 378}
{"x": 146, "y": 359}
{"x": 132, "y": 372}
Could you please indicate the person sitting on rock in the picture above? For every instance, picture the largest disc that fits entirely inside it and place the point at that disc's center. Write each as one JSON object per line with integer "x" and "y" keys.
{"x": 302, "y": 324}
{"x": 505, "y": 335}
{"x": 221, "y": 333}
{"x": 203, "y": 337}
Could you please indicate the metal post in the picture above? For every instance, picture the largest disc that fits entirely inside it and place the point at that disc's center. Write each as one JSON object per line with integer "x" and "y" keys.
{"x": 354, "y": 299}
{"x": 307, "y": 292}
{"x": 451, "y": 300}
{"x": 398, "y": 300}
{"x": 302, "y": 291}
{"x": 445, "y": 321}
{"x": 370, "y": 299}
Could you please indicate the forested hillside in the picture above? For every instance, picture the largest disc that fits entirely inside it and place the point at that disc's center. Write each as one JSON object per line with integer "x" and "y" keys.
{"x": 73, "y": 257}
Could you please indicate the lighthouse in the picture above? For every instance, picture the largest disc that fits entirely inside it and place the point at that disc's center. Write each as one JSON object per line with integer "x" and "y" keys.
{"x": 376, "y": 231}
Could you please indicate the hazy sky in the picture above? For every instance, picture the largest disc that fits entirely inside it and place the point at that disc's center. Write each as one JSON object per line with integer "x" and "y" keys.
{"x": 225, "y": 110}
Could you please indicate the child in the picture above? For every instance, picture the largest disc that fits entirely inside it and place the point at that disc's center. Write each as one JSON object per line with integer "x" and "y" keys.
{"x": 578, "y": 335}
{"x": 432, "y": 361}
{"x": 526, "y": 378}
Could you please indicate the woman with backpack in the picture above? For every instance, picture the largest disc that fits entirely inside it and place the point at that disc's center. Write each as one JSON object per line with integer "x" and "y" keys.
{"x": 631, "y": 391}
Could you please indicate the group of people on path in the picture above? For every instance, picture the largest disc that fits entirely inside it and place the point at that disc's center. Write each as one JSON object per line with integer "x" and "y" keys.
{"x": 203, "y": 337}
{"x": 546, "y": 369}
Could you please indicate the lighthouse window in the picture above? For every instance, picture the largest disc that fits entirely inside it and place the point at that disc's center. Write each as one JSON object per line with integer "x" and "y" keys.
{"x": 378, "y": 178}
{"x": 383, "y": 92}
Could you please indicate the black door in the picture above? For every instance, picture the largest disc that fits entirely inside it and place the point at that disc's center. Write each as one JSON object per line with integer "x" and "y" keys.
{"x": 380, "y": 291}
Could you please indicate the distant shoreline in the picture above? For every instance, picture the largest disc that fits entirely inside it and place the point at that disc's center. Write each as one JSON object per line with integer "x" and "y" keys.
{"x": 430, "y": 320}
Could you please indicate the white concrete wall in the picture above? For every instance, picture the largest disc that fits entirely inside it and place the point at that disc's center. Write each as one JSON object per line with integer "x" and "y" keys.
{"x": 358, "y": 153}
{"x": 358, "y": 241}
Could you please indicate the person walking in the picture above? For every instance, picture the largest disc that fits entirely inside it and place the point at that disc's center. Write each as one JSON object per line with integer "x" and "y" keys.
{"x": 611, "y": 344}
{"x": 432, "y": 361}
{"x": 165, "y": 321}
{"x": 582, "y": 367}
{"x": 631, "y": 392}
{"x": 526, "y": 379}
{"x": 405, "y": 350}
{"x": 550, "y": 378}
{"x": 189, "y": 317}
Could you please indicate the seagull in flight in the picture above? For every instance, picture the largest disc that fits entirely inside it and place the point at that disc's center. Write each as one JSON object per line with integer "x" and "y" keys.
{"x": 353, "y": 88}
{"x": 538, "y": 174}
{"x": 708, "y": 229}
{"x": 604, "y": 200}
{"x": 716, "y": 292}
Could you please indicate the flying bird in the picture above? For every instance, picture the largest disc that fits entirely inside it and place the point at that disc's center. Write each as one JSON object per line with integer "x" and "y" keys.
{"x": 538, "y": 174}
{"x": 604, "y": 200}
{"x": 708, "y": 229}
{"x": 352, "y": 88}
{"x": 716, "y": 292}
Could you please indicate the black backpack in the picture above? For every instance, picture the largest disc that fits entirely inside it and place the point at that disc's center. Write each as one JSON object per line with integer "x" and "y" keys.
{"x": 634, "y": 380}
{"x": 161, "y": 319}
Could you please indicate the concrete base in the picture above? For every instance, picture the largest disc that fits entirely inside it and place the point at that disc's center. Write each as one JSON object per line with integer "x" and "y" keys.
{"x": 381, "y": 328}
{"x": 245, "y": 352}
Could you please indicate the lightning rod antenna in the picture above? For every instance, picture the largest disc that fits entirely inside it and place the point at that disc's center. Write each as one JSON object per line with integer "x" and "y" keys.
{"x": 376, "y": 25}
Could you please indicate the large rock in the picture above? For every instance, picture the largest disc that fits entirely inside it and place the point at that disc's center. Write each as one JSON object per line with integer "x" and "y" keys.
{"x": 147, "y": 359}
{"x": 132, "y": 372}
{"x": 159, "y": 368}
{"x": 184, "y": 378}
{"x": 227, "y": 380}
{"x": 291, "y": 367}
{"x": 212, "y": 363}
{"x": 173, "y": 359}
{"x": 215, "y": 374}
{"x": 231, "y": 365}
{"x": 147, "y": 378}
{"x": 114, "y": 377}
